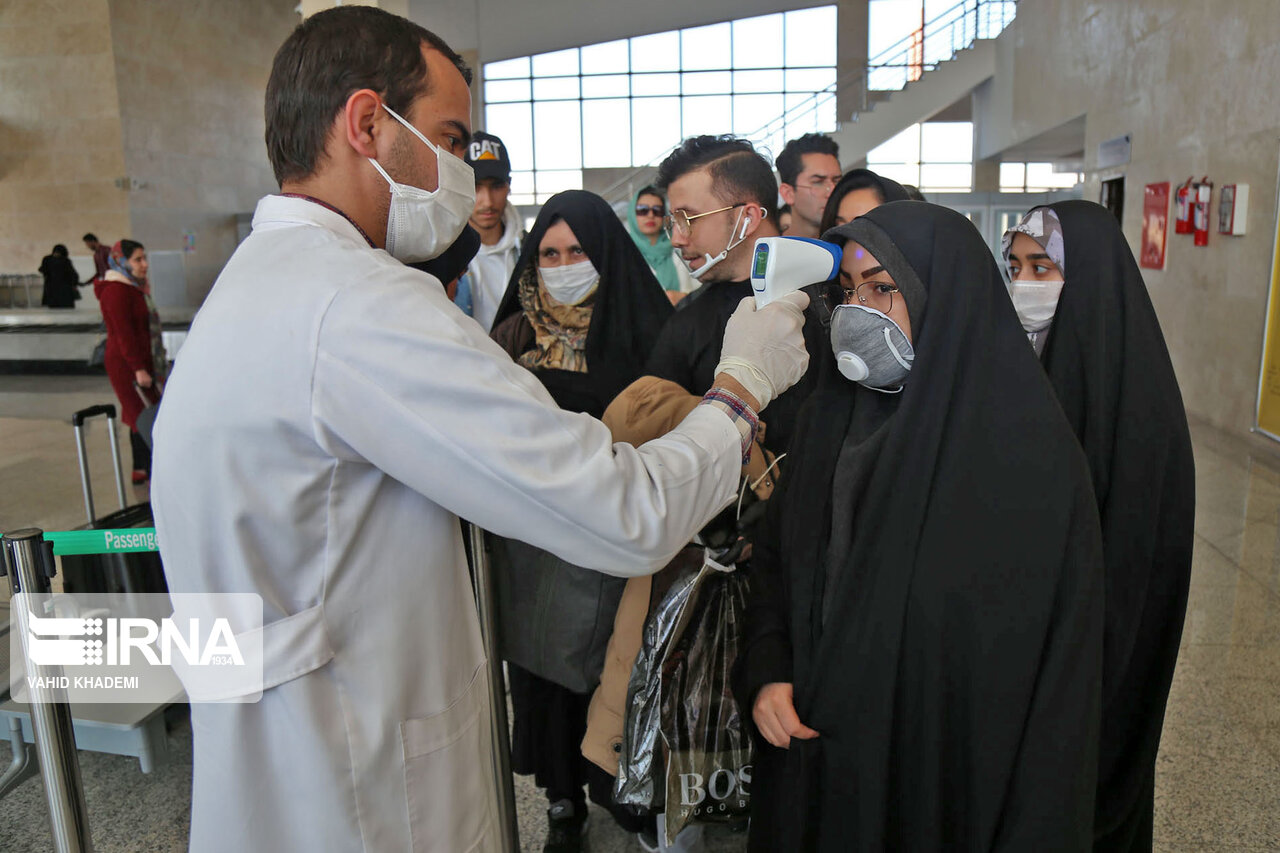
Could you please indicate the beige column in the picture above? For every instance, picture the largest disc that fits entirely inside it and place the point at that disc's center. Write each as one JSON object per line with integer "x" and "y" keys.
{"x": 851, "y": 56}
{"x": 986, "y": 176}
{"x": 472, "y": 58}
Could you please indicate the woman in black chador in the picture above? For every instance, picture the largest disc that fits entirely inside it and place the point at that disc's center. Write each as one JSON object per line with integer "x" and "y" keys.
{"x": 582, "y": 311}
{"x": 1083, "y": 304}
{"x": 924, "y": 645}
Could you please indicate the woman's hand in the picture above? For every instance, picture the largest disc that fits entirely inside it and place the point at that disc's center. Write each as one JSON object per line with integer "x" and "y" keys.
{"x": 142, "y": 378}
{"x": 776, "y": 718}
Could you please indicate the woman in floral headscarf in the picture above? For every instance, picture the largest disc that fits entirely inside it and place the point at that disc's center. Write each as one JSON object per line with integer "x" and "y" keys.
{"x": 134, "y": 358}
{"x": 1099, "y": 340}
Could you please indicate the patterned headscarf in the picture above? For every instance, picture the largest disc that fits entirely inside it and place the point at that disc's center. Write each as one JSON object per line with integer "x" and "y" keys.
{"x": 1042, "y": 225}
{"x": 120, "y": 264}
{"x": 159, "y": 358}
{"x": 560, "y": 331}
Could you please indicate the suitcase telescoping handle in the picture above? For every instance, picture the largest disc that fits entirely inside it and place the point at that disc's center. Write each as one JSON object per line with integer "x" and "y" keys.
{"x": 83, "y": 415}
{"x": 78, "y": 421}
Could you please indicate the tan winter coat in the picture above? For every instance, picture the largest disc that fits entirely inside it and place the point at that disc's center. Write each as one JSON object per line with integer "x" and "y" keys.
{"x": 648, "y": 408}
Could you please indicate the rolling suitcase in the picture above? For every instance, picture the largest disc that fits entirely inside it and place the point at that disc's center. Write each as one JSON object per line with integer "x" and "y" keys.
{"x": 110, "y": 573}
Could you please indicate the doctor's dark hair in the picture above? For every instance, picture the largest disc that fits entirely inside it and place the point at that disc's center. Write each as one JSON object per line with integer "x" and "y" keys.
{"x": 328, "y": 57}
{"x": 790, "y": 162}
{"x": 738, "y": 172}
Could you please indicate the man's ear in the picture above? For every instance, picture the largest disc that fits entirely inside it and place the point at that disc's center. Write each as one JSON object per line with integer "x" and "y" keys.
{"x": 751, "y": 221}
{"x": 788, "y": 193}
{"x": 361, "y": 122}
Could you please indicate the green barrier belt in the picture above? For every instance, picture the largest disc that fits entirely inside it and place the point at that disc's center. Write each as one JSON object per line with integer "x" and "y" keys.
{"x": 67, "y": 542}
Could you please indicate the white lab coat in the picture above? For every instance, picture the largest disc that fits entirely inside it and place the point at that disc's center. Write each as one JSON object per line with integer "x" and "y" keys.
{"x": 332, "y": 415}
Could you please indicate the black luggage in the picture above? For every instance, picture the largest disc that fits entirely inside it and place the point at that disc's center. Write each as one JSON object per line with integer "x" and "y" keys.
{"x": 139, "y": 571}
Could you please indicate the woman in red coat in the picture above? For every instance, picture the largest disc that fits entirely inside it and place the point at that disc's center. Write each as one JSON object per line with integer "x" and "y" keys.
{"x": 134, "y": 353}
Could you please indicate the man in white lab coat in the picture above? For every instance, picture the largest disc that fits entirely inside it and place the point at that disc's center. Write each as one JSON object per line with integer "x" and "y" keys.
{"x": 334, "y": 413}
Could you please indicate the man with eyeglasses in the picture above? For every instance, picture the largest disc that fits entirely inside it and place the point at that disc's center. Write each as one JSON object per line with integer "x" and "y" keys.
{"x": 721, "y": 198}
{"x": 808, "y": 169}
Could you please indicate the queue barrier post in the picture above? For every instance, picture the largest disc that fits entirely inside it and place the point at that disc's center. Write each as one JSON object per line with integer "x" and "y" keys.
{"x": 28, "y": 557}
{"x": 29, "y": 565}
{"x": 508, "y": 824}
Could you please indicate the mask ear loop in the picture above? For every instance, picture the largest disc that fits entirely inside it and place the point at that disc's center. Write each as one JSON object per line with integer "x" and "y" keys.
{"x": 743, "y": 492}
{"x": 893, "y": 350}
{"x": 742, "y": 233}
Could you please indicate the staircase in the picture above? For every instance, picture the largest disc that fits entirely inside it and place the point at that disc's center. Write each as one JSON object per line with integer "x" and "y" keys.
{"x": 888, "y": 114}
{"x": 910, "y": 82}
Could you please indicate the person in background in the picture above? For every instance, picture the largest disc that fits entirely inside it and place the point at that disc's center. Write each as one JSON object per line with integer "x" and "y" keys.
{"x": 857, "y": 192}
{"x": 645, "y": 410}
{"x": 720, "y": 195}
{"x": 923, "y": 640}
{"x": 61, "y": 283}
{"x": 101, "y": 255}
{"x": 644, "y": 218}
{"x": 134, "y": 357}
{"x": 497, "y": 222}
{"x": 1081, "y": 300}
{"x": 784, "y": 218}
{"x": 808, "y": 169}
{"x": 451, "y": 265}
{"x": 582, "y": 312}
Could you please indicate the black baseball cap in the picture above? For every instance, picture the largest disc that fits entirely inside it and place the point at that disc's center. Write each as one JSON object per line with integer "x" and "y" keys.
{"x": 487, "y": 155}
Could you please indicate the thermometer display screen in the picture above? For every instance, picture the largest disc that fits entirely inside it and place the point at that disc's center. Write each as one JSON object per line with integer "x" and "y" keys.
{"x": 761, "y": 262}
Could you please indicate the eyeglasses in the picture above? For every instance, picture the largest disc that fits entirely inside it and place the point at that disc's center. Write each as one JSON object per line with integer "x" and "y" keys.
{"x": 821, "y": 184}
{"x": 681, "y": 223}
{"x": 873, "y": 294}
{"x": 651, "y": 210}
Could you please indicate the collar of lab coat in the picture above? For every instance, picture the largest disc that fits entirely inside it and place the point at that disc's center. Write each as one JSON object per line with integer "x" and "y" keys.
{"x": 275, "y": 211}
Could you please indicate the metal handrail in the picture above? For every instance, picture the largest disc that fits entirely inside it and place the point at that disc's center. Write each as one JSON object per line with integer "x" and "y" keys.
{"x": 964, "y": 23}
{"x": 969, "y": 11}
{"x": 961, "y": 25}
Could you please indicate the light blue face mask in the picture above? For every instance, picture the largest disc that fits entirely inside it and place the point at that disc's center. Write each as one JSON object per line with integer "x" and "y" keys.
{"x": 870, "y": 348}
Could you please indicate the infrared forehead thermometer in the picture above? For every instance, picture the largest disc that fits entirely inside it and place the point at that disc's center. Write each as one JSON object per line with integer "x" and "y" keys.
{"x": 782, "y": 265}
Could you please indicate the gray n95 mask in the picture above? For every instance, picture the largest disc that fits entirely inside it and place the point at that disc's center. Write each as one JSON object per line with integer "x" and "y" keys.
{"x": 870, "y": 348}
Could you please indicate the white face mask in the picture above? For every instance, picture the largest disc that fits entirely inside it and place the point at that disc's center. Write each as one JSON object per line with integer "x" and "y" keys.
{"x": 1035, "y": 302}
{"x": 421, "y": 224}
{"x": 571, "y": 283}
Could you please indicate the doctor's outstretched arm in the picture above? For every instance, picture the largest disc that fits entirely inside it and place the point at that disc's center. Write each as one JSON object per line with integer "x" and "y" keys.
{"x": 430, "y": 400}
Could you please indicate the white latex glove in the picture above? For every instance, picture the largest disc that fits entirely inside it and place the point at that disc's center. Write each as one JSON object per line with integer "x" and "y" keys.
{"x": 764, "y": 350}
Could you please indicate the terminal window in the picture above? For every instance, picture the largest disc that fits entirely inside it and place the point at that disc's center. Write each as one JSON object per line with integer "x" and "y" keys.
{"x": 628, "y": 103}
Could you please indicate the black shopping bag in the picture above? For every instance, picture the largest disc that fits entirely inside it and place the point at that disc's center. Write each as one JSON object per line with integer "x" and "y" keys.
{"x": 145, "y": 423}
{"x": 709, "y": 753}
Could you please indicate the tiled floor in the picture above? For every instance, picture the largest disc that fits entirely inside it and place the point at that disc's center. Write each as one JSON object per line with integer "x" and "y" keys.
{"x": 1218, "y": 787}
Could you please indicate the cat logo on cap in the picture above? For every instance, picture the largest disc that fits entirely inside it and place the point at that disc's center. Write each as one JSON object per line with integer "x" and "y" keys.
{"x": 486, "y": 149}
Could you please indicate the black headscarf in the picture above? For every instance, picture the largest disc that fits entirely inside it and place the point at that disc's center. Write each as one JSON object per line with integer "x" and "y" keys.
{"x": 452, "y": 262}
{"x": 1108, "y": 363}
{"x": 950, "y": 650}
{"x": 856, "y": 179}
{"x": 630, "y": 305}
